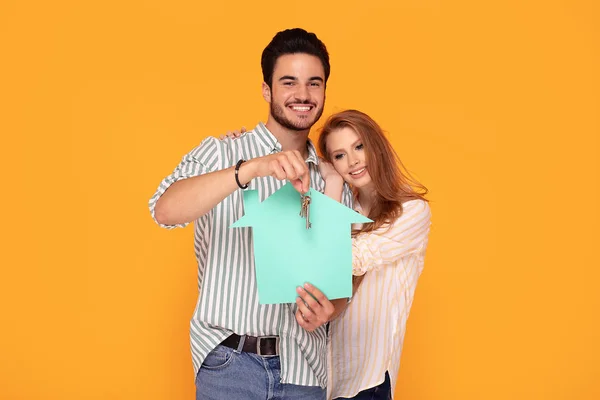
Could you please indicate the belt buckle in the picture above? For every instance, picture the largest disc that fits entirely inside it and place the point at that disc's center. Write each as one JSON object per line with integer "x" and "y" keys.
{"x": 259, "y": 340}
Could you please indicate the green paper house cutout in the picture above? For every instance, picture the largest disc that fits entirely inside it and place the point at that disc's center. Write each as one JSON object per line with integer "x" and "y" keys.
{"x": 287, "y": 255}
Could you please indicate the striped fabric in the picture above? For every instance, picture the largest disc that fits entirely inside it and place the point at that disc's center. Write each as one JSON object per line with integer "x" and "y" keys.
{"x": 366, "y": 339}
{"x": 228, "y": 300}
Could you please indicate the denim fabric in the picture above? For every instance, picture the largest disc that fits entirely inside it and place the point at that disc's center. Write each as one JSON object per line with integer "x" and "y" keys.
{"x": 380, "y": 392}
{"x": 232, "y": 374}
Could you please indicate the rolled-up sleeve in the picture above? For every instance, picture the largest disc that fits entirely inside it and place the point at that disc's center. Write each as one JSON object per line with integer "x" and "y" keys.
{"x": 203, "y": 159}
{"x": 384, "y": 246}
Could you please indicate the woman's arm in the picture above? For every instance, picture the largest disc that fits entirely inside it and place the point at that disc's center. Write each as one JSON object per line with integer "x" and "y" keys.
{"x": 334, "y": 183}
{"x": 408, "y": 234}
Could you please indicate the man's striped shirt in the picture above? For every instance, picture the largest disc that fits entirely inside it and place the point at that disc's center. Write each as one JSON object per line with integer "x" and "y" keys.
{"x": 228, "y": 300}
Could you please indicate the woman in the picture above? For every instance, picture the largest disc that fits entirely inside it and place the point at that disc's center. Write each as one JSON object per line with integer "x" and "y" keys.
{"x": 366, "y": 339}
{"x": 388, "y": 254}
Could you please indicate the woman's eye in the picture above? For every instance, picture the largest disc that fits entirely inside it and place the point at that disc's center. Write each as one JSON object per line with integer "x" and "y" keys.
{"x": 360, "y": 146}
{"x": 338, "y": 156}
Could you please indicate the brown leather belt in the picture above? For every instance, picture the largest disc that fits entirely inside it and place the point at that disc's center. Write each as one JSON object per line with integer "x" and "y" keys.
{"x": 262, "y": 345}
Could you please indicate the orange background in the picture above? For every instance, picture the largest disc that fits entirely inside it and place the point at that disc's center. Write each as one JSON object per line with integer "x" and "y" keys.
{"x": 493, "y": 105}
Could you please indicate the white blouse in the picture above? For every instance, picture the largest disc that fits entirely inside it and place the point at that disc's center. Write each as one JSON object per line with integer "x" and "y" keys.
{"x": 366, "y": 339}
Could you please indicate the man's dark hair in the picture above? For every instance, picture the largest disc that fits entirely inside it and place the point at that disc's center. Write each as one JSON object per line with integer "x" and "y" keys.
{"x": 292, "y": 41}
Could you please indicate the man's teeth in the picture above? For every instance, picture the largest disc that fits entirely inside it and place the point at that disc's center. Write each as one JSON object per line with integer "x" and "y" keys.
{"x": 357, "y": 172}
{"x": 304, "y": 108}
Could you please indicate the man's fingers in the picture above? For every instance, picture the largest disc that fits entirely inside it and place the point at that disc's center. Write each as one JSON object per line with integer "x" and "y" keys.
{"x": 304, "y": 310}
{"x": 303, "y": 323}
{"x": 297, "y": 184}
{"x": 296, "y": 160}
{"x": 316, "y": 293}
{"x": 302, "y": 186}
{"x": 296, "y": 167}
{"x": 287, "y": 165}
{"x": 302, "y": 171}
{"x": 312, "y": 311}
{"x": 320, "y": 297}
{"x": 276, "y": 170}
{"x": 308, "y": 299}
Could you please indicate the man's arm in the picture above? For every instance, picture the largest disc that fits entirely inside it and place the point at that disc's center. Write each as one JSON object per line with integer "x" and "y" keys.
{"x": 189, "y": 199}
{"x": 340, "y": 305}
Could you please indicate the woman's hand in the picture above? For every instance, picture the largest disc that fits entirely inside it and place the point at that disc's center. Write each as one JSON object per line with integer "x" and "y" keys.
{"x": 233, "y": 134}
{"x": 328, "y": 172}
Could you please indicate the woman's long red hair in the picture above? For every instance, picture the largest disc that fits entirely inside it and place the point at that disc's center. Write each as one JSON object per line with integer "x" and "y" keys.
{"x": 393, "y": 183}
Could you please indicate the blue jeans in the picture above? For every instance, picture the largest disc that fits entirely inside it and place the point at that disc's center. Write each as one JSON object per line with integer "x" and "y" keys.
{"x": 232, "y": 374}
{"x": 380, "y": 392}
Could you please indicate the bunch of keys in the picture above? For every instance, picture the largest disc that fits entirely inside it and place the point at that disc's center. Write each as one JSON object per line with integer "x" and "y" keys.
{"x": 305, "y": 208}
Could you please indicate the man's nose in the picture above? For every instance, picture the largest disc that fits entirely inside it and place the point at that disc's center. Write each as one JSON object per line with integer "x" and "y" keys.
{"x": 302, "y": 93}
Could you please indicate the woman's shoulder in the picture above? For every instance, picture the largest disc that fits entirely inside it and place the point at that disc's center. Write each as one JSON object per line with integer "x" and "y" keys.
{"x": 416, "y": 207}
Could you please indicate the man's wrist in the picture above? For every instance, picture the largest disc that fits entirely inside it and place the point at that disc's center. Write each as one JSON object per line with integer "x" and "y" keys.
{"x": 236, "y": 172}
{"x": 246, "y": 172}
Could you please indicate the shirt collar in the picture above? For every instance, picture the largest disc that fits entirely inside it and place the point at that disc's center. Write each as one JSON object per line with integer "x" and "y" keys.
{"x": 266, "y": 138}
{"x": 313, "y": 157}
{"x": 269, "y": 141}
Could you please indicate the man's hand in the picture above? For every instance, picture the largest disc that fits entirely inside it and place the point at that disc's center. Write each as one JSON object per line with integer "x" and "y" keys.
{"x": 284, "y": 165}
{"x": 190, "y": 199}
{"x": 314, "y": 309}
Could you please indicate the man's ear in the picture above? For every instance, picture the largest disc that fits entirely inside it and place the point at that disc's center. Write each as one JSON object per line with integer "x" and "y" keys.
{"x": 266, "y": 91}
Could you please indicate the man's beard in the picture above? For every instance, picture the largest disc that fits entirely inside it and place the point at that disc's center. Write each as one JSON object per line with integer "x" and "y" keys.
{"x": 278, "y": 114}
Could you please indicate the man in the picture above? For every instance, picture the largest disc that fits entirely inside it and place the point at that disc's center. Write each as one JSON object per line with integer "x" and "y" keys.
{"x": 240, "y": 349}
